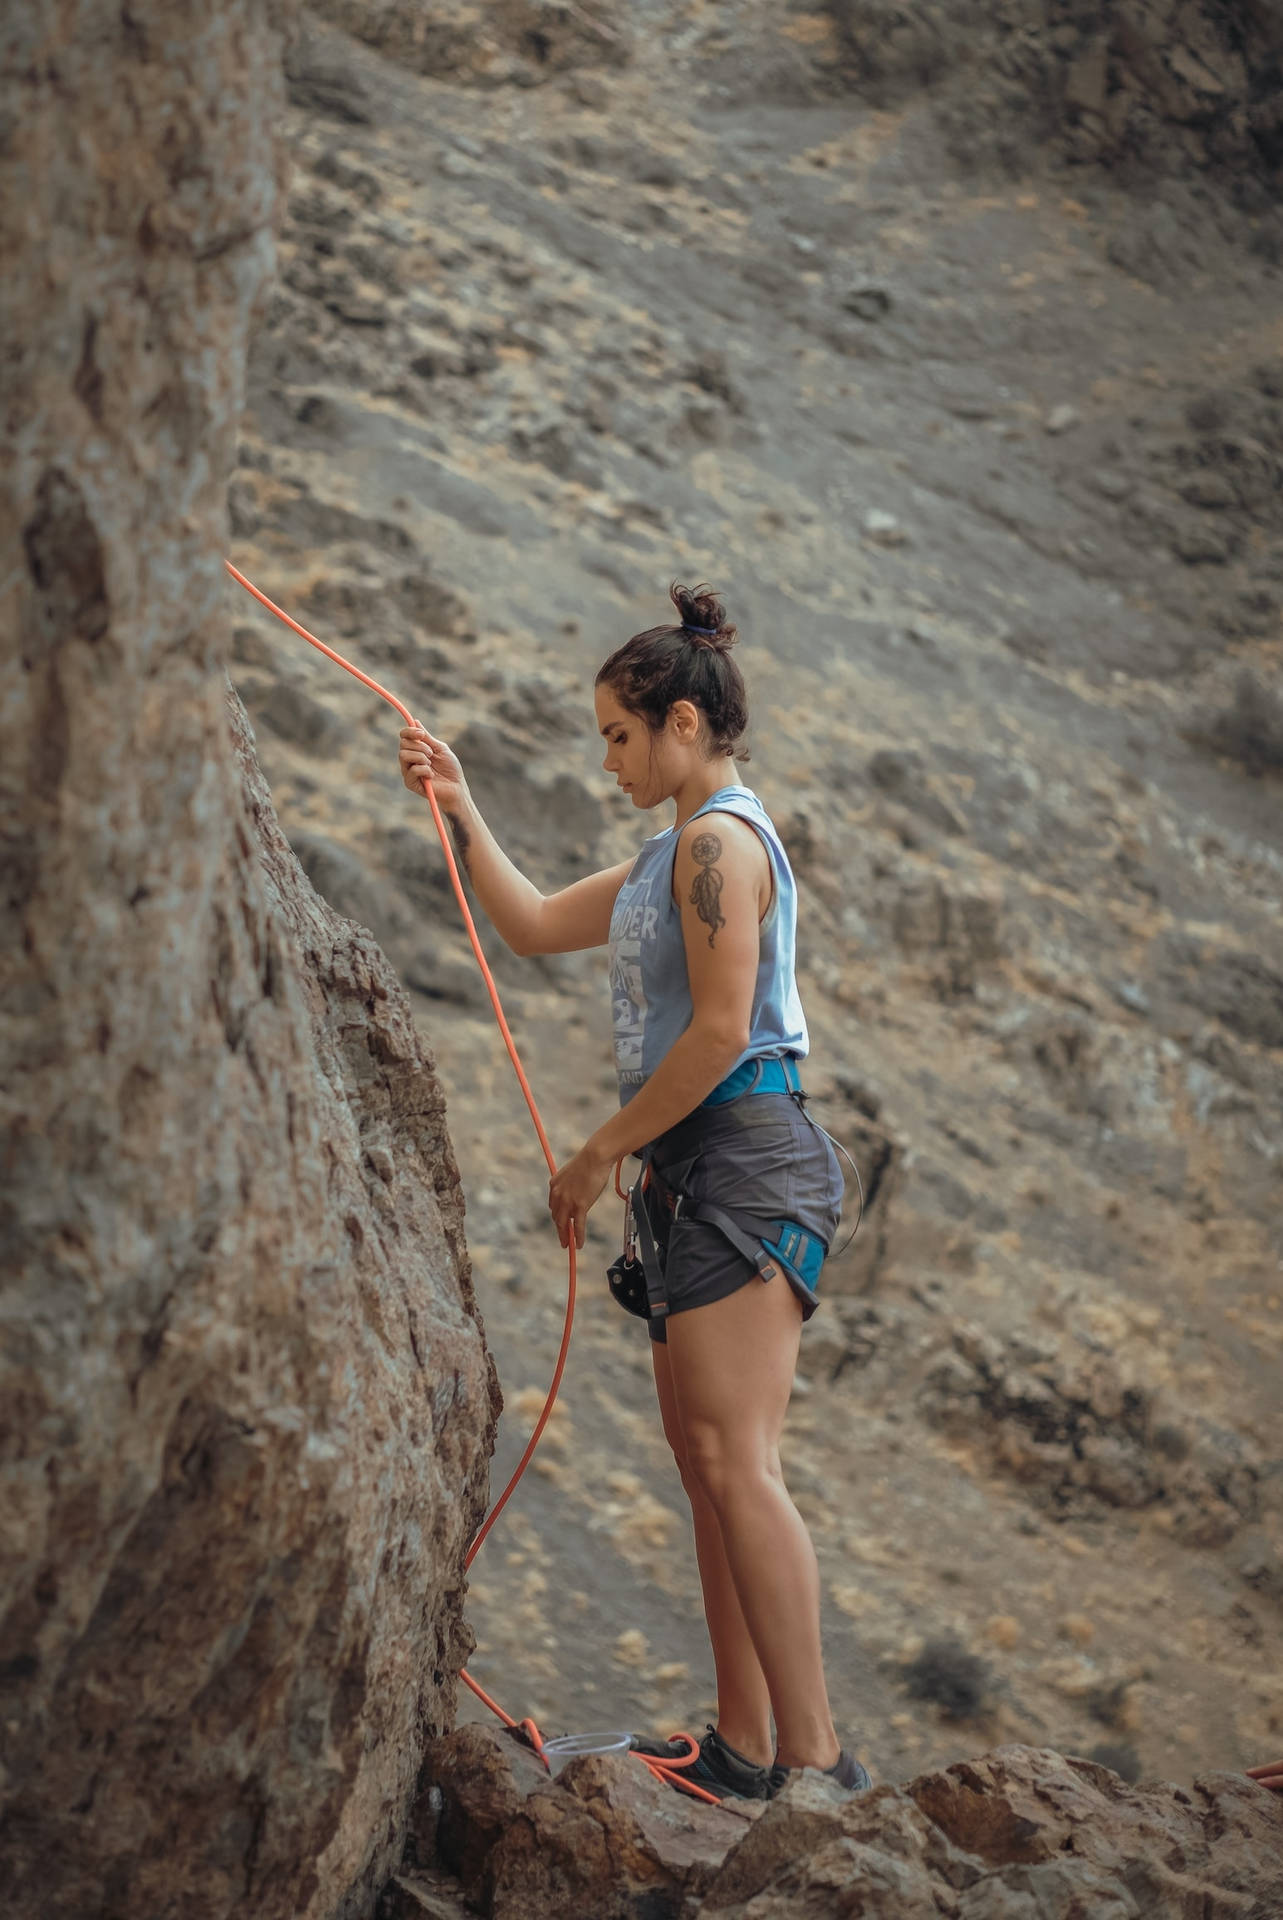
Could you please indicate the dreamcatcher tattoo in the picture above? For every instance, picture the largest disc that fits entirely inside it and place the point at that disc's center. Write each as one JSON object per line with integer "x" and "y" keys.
{"x": 706, "y": 888}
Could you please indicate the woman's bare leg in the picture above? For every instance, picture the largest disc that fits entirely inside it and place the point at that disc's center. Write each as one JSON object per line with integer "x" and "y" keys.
{"x": 743, "y": 1703}
{"x": 731, "y": 1366}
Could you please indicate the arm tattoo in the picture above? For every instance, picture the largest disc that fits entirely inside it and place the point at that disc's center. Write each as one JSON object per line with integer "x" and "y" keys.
{"x": 462, "y": 839}
{"x": 706, "y": 888}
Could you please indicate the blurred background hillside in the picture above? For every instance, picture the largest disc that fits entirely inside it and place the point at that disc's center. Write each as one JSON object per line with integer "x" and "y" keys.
{"x": 948, "y": 343}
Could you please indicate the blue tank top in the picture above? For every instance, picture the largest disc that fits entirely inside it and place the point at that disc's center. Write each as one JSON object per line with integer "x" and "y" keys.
{"x": 649, "y": 985}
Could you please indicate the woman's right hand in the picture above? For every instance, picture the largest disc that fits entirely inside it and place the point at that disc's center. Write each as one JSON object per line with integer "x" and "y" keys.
{"x": 423, "y": 757}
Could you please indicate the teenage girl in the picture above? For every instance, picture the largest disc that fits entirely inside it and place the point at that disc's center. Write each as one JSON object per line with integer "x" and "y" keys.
{"x": 742, "y": 1189}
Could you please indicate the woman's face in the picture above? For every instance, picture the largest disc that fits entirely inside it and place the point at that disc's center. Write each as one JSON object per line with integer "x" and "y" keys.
{"x": 643, "y": 763}
{"x": 629, "y": 747}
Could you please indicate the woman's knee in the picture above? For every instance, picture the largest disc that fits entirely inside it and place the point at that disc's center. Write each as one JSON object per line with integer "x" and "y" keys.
{"x": 676, "y": 1439}
{"x": 723, "y": 1466}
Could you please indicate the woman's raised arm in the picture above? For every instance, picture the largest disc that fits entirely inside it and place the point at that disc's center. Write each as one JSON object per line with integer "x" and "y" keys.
{"x": 526, "y": 920}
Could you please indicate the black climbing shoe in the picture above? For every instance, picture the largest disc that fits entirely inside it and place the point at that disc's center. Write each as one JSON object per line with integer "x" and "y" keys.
{"x": 719, "y": 1769}
{"x": 846, "y": 1770}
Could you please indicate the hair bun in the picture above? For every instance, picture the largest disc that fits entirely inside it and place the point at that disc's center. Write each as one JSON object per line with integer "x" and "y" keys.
{"x": 703, "y": 616}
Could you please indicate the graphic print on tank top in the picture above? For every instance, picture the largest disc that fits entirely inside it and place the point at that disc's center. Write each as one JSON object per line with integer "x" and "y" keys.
{"x": 632, "y": 921}
{"x": 649, "y": 982}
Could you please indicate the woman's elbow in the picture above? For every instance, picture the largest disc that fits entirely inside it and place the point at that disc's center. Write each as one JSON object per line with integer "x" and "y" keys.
{"x": 728, "y": 1038}
{"x": 524, "y": 936}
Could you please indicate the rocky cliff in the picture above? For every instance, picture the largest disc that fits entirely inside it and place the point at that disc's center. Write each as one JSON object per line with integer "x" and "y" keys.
{"x": 1017, "y": 1834}
{"x": 246, "y": 1406}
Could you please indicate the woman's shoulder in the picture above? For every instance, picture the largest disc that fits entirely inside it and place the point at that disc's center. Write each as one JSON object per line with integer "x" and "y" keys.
{"x": 740, "y": 803}
{"x": 731, "y": 800}
{"x": 724, "y": 827}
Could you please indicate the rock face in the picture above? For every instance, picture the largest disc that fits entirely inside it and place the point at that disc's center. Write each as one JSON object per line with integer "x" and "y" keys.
{"x": 604, "y": 1838}
{"x": 486, "y": 43}
{"x": 1154, "y": 86}
{"x": 246, "y": 1400}
{"x": 1022, "y": 1833}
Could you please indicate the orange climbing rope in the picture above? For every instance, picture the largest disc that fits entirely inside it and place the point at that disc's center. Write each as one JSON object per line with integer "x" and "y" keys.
{"x": 663, "y": 1769}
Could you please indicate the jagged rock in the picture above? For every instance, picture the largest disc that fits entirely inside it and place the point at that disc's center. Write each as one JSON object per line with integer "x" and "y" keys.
{"x": 1249, "y": 728}
{"x": 376, "y": 899}
{"x": 902, "y": 773}
{"x": 1063, "y": 1043}
{"x": 604, "y": 1838}
{"x": 868, "y": 1209}
{"x": 504, "y": 43}
{"x": 1240, "y": 988}
{"x": 1021, "y": 1833}
{"x": 1080, "y": 1431}
{"x": 845, "y": 1335}
{"x": 414, "y": 1895}
{"x": 957, "y": 927}
{"x": 294, "y": 716}
{"x": 246, "y": 1400}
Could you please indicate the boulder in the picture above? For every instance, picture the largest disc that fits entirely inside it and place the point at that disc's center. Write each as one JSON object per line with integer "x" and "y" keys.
{"x": 1022, "y": 1833}
{"x": 1082, "y": 1430}
{"x": 246, "y": 1402}
{"x": 604, "y": 1838}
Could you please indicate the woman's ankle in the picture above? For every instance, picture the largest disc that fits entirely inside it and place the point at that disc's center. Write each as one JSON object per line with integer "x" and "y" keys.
{"x": 818, "y": 1754}
{"x": 751, "y": 1743}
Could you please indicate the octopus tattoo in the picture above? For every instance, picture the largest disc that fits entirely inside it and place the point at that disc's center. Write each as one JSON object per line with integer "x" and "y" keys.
{"x": 706, "y": 888}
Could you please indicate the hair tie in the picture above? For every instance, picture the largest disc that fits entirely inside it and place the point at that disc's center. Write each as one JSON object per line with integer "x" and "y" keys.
{"x": 688, "y": 628}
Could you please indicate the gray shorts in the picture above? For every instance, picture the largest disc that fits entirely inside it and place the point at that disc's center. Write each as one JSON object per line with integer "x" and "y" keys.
{"x": 759, "y": 1155}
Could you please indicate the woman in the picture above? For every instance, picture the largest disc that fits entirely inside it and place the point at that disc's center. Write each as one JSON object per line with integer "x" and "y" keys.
{"x": 743, "y": 1189}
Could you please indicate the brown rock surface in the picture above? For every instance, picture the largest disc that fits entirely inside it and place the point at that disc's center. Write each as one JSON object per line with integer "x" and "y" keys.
{"x": 604, "y": 1838}
{"x": 485, "y": 43}
{"x": 1020, "y": 1833}
{"x": 246, "y": 1400}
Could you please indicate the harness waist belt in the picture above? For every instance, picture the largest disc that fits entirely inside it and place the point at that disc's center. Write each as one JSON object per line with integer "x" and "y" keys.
{"x": 766, "y": 1073}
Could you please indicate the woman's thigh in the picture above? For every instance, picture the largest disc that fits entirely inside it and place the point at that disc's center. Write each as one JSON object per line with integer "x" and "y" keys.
{"x": 666, "y": 1394}
{"x": 731, "y": 1366}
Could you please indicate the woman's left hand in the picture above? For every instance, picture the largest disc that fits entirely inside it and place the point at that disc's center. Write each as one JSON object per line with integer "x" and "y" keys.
{"x": 573, "y": 1191}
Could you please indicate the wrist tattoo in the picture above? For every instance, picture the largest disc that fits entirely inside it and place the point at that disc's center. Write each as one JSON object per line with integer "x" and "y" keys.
{"x": 706, "y": 888}
{"x": 462, "y": 838}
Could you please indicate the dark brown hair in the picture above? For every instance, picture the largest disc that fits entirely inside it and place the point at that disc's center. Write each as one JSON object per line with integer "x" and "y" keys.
{"x": 687, "y": 662}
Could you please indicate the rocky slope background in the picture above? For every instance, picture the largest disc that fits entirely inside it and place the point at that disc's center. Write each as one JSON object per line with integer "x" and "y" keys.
{"x": 950, "y": 345}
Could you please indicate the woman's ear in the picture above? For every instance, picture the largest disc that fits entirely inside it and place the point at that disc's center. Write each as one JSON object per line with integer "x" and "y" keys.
{"x": 685, "y": 719}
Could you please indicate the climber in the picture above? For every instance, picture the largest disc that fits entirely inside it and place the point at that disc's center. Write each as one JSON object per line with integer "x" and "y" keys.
{"x": 740, "y": 1191}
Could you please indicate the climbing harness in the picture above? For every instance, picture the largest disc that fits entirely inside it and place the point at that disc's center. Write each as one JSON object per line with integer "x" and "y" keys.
{"x": 636, "y": 1278}
{"x": 666, "y": 1769}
